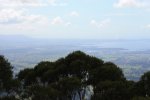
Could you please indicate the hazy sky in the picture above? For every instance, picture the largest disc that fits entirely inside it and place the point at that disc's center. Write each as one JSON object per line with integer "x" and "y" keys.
{"x": 82, "y": 19}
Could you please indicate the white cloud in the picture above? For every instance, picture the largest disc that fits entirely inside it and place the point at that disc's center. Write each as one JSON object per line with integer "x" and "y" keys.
{"x": 56, "y": 3}
{"x": 93, "y": 22}
{"x": 148, "y": 26}
{"x": 20, "y": 16}
{"x": 52, "y": 2}
{"x": 14, "y": 19}
{"x": 68, "y": 24}
{"x": 59, "y": 21}
{"x": 18, "y": 3}
{"x": 130, "y": 3}
{"x": 32, "y": 3}
{"x": 74, "y": 13}
{"x": 120, "y": 14}
{"x": 38, "y": 19}
{"x": 103, "y": 24}
{"x": 8, "y": 16}
{"x": 13, "y": 16}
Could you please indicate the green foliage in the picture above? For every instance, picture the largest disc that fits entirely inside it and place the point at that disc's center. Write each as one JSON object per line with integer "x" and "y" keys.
{"x": 27, "y": 76}
{"x": 43, "y": 67}
{"x": 37, "y": 92}
{"x": 69, "y": 77}
{"x": 112, "y": 90}
{"x": 77, "y": 55}
{"x": 108, "y": 71}
{"x": 8, "y": 98}
{"x": 143, "y": 86}
{"x": 69, "y": 86}
{"x": 5, "y": 73}
{"x": 8, "y": 85}
{"x": 23, "y": 73}
{"x": 141, "y": 98}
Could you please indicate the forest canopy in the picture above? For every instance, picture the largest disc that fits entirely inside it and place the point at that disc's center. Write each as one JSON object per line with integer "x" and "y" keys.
{"x": 77, "y": 76}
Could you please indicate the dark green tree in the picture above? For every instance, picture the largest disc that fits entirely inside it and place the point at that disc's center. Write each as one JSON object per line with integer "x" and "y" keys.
{"x": 143, "y": 86}
{"x": 6, "y": 73}
{"x": 112, "y": 90}
{"x": 70, "y": 76}
{"x": 109, "y": 83}
{"x": 69, "y": 87}
{"x": 140, "y": 98}
{"x": 27, "y": 77}
{"x": 37, "y": 92}
{"x": 107, "y": 71}
{"x": 8, "y": 84}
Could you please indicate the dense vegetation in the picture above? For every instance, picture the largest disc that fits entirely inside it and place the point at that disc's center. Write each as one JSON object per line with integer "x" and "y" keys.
{"x": 78, "y": 76}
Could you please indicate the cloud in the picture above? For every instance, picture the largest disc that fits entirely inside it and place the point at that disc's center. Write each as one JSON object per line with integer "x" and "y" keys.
{"x": 52, "y": 2}
{"x": 59, "y": 21}
{"x": 55, "y": 3}
{"x": 18, "y": 19}
{"x": 74, "y": 14}
{"x": 14, "y": 16}
{"x": 32, "y": 3}
{"x": 130, "y": 3}
{"x": 120, "y": 14}
{"x": 68, "y": 24}
{"x": 20, "y": 3}
{"x": 147, "y": 26}
{"x": 8, "y": 16}
{"x": 103, "y": 24}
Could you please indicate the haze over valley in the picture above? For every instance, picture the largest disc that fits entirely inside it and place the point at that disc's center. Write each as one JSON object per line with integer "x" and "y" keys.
{"x": 24, "y": 52}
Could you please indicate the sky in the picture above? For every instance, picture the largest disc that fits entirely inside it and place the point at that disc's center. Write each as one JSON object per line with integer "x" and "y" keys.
{"x": 79, "y": 19}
